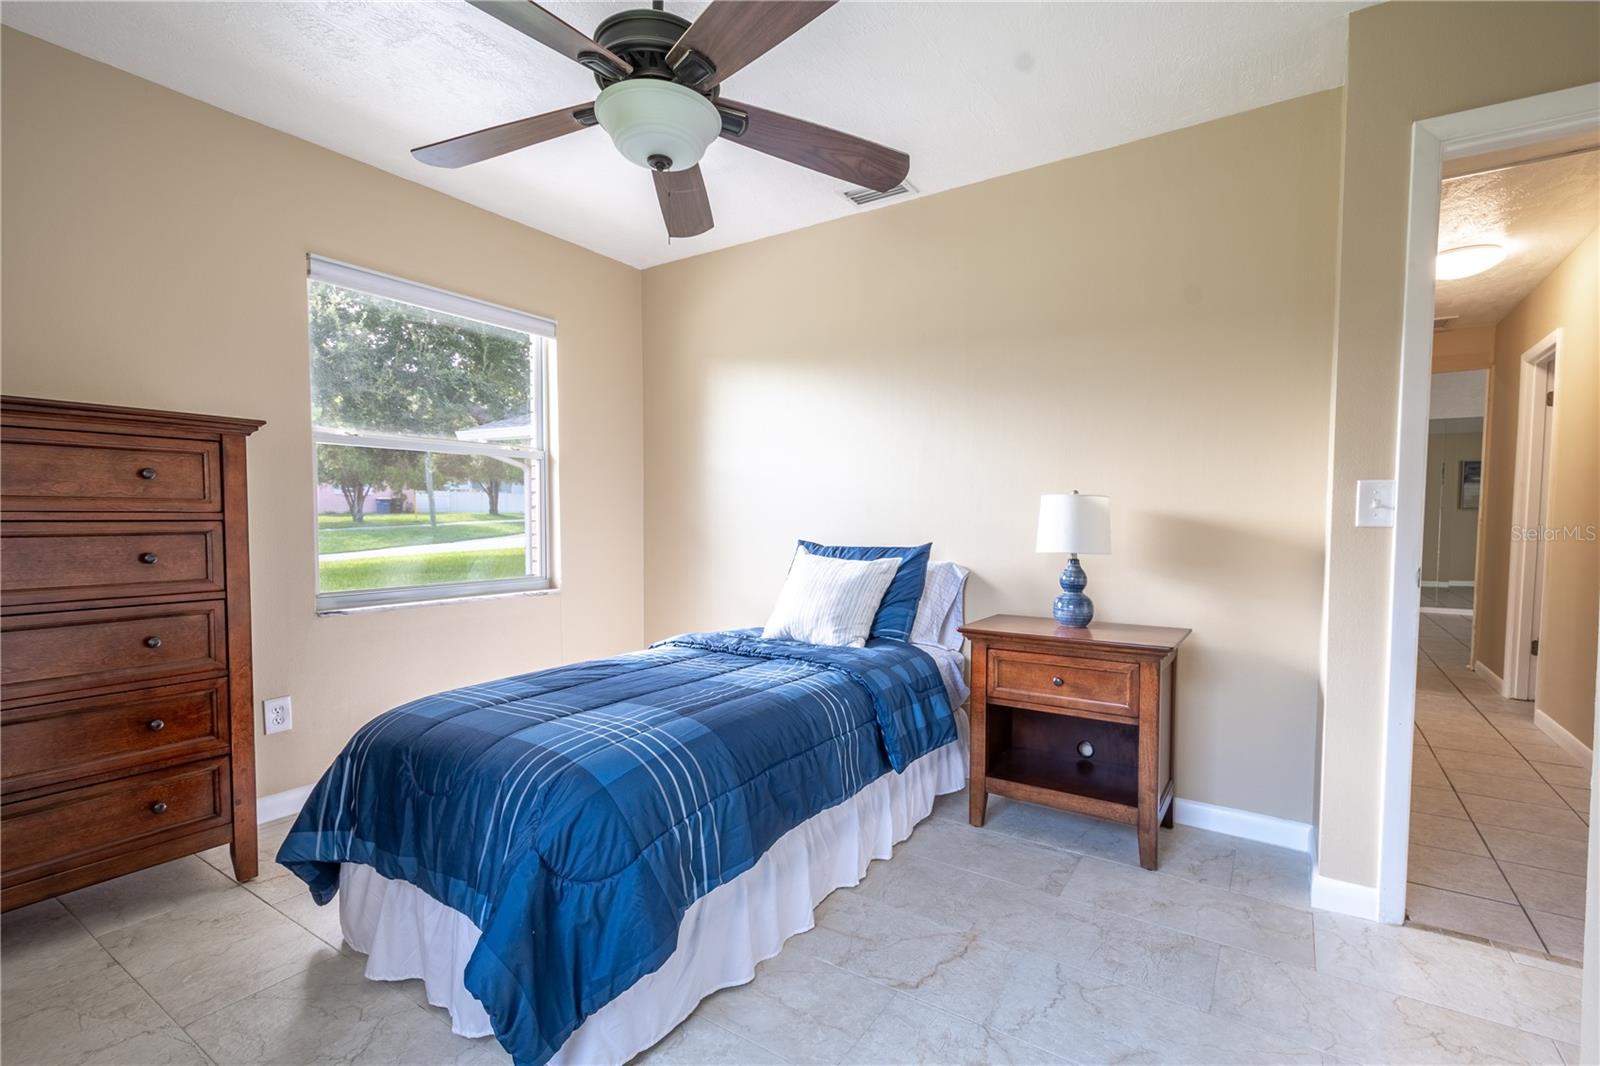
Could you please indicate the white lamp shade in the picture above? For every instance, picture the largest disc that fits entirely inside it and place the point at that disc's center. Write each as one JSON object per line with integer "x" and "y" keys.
{"x": 1070, "y": 522}
{"x": 650, "y": 118}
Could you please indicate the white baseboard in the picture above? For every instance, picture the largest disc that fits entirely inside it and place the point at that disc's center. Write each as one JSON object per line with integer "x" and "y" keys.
{"x": 1463, "y": 612}
{"x": 1489, "y": 676}
{"x": 1344, "y": 897}
{"x": 281, "y": 804}
{"x": 1263, "y": 828}
{"x": 1558, "y": 733}
{"x": 1447, "y": 584}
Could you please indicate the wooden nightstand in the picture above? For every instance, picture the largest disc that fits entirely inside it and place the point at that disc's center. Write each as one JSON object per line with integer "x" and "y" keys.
{"x": 1040, "y": 690}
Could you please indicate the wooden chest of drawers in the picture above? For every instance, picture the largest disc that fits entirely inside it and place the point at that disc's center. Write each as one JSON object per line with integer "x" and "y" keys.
{"x": 1079, "y": 719}
{"x": 126, "y": 709}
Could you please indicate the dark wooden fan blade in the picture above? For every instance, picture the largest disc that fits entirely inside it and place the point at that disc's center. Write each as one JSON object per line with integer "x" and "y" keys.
{"x": 508, "y": 137}
{"x": 524, "y": 16}
{"x": 683, "y": 201}
{"x": 730, "y": 34}
{"x": 828, "y": 151}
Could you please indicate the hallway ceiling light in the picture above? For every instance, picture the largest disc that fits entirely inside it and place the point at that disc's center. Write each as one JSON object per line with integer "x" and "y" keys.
{"x": 1467, "y": 260}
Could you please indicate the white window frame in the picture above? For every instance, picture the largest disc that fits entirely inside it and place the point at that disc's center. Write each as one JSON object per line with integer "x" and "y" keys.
{"x": 533, "y": 460}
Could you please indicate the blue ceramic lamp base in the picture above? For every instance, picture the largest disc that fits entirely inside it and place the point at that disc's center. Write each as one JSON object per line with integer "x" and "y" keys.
{"x": 1072, "y": 607}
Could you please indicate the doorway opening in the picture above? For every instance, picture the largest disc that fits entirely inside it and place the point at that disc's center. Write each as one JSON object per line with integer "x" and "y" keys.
{"x": 1487, "y": 797}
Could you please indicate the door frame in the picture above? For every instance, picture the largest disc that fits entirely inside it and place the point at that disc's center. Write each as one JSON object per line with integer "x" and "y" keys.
{"x": 1532, "y": 466}
{"x": 1498, "y": 127}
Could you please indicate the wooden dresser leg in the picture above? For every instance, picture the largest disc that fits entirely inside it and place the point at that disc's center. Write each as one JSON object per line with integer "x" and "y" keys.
{"x": 1166, "y": 819}
{"x": 243, "y": 851}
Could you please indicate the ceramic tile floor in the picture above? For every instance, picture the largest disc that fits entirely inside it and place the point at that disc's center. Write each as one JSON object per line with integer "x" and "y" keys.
{"x": 1499, "y": 813}
{"x": 1037, "y": 939}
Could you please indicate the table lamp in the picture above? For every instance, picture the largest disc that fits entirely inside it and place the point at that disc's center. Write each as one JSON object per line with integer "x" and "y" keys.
{"x": 1076, "y": 524}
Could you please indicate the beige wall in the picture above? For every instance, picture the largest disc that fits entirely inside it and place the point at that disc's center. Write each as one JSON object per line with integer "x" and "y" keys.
{"x": 1450, "y": 531}
{"x": 1407, "y": 61}
{"x": 154, "y": 255}
{"x": 1568, "y": 300}
{"x": 1152, "y": 322}
{"x": 1471, "y": 348}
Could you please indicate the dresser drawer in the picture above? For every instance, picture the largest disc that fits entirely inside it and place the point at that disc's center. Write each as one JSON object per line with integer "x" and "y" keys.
{"x": 71, "y": 827}
{"x": 55, "y": 652}
{"x": 1099, "y": 686}
{"x": 60, "y": 562}
{"x": 53, "y": 742}
{"x": 57, "y": 470}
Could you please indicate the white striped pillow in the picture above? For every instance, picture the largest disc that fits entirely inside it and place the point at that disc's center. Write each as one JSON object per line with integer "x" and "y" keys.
{"x": 939, "y": 612}
{"x": 830, "y": 601}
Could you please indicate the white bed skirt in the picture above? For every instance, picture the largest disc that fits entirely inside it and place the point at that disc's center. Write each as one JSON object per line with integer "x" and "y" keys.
{"x": 407, "y": 934}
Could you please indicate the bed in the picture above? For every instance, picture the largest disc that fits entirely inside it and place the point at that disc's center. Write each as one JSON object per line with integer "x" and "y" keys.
{"x": 572, "y": 859}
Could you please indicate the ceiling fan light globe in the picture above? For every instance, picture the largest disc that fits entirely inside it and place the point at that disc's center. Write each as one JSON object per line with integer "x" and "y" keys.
{"x": 649, "y": 120}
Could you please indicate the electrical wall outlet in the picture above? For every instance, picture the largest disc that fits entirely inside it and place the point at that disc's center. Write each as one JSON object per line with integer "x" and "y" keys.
{"x": 278, "y": 714}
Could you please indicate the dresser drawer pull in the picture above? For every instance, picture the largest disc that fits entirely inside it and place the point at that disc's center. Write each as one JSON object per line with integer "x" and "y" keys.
{"x": 148, "y": 473}
{"x": 1057, "y": 682}
{"x": 156, "y": 725}
{"x": 158, "y": 807}
{"x": 152, "y": 642}
{"x": 149, "y": 558}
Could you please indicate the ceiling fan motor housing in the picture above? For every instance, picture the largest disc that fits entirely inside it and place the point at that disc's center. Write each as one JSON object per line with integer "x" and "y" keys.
{"x": 643, "y": 38}
{"x": 658, "y": 124}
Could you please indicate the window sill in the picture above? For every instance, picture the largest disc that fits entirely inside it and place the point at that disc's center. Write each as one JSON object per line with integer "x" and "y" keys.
{"x": 440, "y": 601}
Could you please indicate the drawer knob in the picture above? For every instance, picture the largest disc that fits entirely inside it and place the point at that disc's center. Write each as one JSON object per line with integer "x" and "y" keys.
{"x": 158, "y": 807}
{"x": 148, "y": 473}
{"x": 149, "y": 558}
{"x": 156, "y": 725}
{"x": 1057, "y": 682}
{"x": 152, "y": 642}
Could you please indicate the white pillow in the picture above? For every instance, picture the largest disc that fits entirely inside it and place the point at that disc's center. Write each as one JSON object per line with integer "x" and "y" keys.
{"x": 939, "y": 611}
{"x": 830, "y": 601}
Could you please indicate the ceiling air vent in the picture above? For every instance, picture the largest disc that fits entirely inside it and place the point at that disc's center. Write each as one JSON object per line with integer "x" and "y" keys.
{"x": 863, "y": 197}
{"x": 1441, "y": 323}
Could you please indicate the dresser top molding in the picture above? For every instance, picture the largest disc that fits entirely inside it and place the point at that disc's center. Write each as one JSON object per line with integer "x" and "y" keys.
{"x": 35, "y": 413}
{"x": 1157, "y": 639}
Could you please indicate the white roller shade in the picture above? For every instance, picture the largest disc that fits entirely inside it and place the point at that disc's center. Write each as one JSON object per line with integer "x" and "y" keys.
{"x": 370, "y": 281}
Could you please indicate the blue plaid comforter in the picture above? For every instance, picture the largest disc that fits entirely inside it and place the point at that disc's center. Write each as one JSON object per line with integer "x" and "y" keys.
{"x": 574, "y": 814}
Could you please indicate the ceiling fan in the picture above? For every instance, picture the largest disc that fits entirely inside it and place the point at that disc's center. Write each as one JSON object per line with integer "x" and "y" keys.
{"x": 661, "y": 100}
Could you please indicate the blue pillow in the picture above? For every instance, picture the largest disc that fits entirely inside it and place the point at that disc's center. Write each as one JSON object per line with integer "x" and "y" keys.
{"x": 898, "y": 611}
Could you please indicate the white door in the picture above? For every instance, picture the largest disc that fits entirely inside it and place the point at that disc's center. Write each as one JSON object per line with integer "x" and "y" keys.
{"x": 1547, "y": 387}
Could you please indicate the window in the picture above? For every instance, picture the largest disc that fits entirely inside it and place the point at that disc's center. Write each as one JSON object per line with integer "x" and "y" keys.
{"x": 428, "y": 415}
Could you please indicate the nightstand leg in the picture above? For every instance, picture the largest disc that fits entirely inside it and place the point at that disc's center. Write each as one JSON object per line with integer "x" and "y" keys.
{"x": 1147, "y": 847}
{"x": 977, "y": 802}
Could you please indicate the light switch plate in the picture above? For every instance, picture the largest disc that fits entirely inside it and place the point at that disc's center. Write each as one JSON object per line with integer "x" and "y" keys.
{"x": 277, "y": 714}
{"x": 1375, "y": 503}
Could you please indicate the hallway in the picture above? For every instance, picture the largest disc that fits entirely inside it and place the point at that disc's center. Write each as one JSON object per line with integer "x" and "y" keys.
{"x": 1498, "y": 810}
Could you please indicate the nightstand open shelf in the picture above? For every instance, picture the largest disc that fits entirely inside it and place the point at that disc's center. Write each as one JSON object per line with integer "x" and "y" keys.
{"x": 1077, "y": 719}
{"x": 1043, "y": 777}
{"x": 1033, "y": 756}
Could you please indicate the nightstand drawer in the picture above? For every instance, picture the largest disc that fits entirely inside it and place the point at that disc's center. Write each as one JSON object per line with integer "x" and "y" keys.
{"x": 1096, "y": 686}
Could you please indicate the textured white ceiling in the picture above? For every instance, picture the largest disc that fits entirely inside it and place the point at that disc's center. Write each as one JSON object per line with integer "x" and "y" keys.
{"x": 970, "y": 90}
{"x": 1538, "y": 211}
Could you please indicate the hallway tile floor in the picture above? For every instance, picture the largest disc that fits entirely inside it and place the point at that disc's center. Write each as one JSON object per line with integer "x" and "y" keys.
{"x": 1499, "y": 812}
